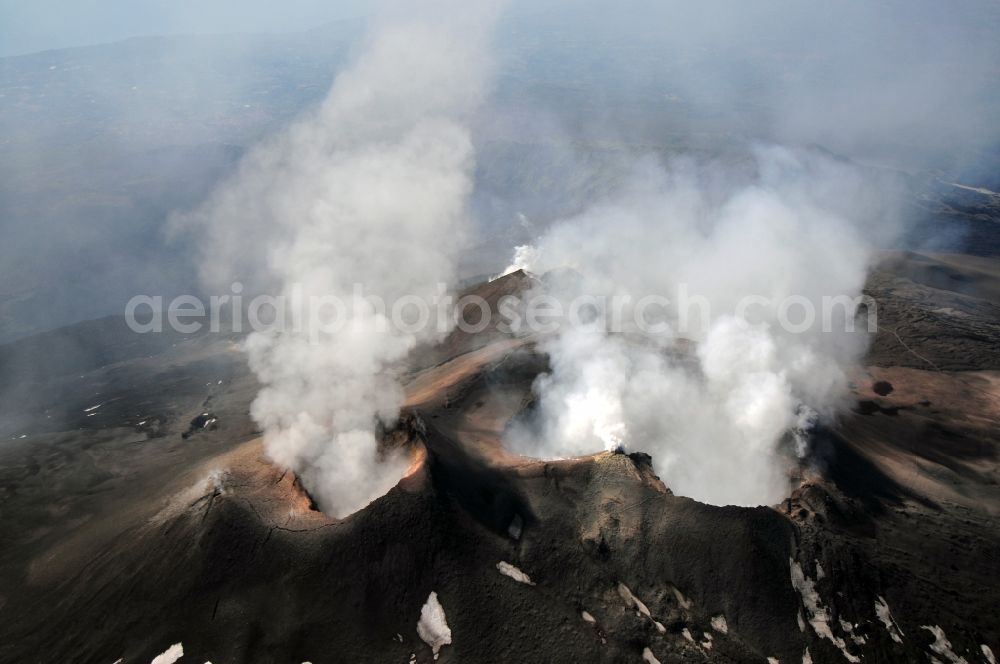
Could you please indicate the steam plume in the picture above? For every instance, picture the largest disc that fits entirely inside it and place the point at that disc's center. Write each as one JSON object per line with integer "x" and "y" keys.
{"x": 712, "y": 419}
{"x": 369, "y": 189}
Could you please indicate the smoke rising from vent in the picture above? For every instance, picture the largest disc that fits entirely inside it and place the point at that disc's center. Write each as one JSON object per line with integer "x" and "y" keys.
{"x": 372, "y": 188}
{"x": 797, "y": 224}
{"x": 369, "y": 188}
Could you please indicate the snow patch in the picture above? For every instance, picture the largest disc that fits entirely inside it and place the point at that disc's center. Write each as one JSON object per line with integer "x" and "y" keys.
{"x": 170, "y": 655}
{"x": 681, "y": 599}
{"x": 432, "y": 628}
{"x": 633, "y": 601}
{"x": 507, "y": 569}
{"x": 988, "y": 654}
{"x": 942, "y": 645}
{"x": 92, "y": 408}
{"x": 885, "y": 615}
{"x": 647, "y": 656}
{"x": 819, "y": 617}
{"x": 588, "y": 618}
{"x": 707, "y": 643}
{"x": 848, "y": 629}
{"x": 687, "y": 634}
{"x": 719, "y": 624}
{"x": 806, "y": 657}
{"x": 820, "y": 574}
{"x": 773, "y": 660}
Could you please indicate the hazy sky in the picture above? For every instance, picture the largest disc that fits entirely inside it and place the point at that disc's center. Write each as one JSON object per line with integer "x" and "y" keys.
{"x": 910, "y": 84}
{"x": 37, "y": 25}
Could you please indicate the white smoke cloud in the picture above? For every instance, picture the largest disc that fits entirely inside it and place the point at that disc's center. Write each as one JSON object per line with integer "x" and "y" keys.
{"x": 712, "y": 418}
{"x": 525, "y": 255}
{"x": 370, "y": 188}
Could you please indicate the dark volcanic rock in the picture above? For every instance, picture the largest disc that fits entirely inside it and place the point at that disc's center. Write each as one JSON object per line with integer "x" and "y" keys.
{"x": 121, "y": 539}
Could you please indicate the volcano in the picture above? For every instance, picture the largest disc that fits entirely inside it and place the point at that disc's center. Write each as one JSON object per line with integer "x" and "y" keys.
{"x": 192, "y": 541}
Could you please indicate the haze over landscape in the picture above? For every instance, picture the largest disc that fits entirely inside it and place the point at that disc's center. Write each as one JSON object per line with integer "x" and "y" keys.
{"x": 499, "y": 332}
